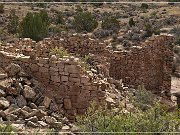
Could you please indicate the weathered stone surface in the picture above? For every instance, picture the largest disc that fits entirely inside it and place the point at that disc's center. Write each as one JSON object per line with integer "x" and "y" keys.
{"x": 42, "y": 123}
{"x": 49, "y": 119}
{"x": 67, "y": 103}
{"x": 4, "y": 103}
{"x": 21, "y": 101}
{"x": 32, "y": 124}
{"x": 46, "y": 102}
{"x": 13, "y": 69}
{"x": 28, "y": 92}
{"x": 32, "y": 119}
{"x": 3, "y": 76}
{"x": 11, "y": 117}
{"x": 2, "y": 93}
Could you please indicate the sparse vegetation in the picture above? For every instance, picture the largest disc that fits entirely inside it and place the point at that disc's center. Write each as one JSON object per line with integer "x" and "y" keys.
{"x": 155, "y": 119}
{"x": 6, "y": 129}
{"x": 60, "y": 51}
{"x": 13, "y": 22}
{"x": 110, "y": 23}
{"x": 85, "y": 21}
{"x": 143, "y": 99}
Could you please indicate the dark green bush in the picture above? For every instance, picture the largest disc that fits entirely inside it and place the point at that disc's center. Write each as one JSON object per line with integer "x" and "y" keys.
{"x": 13, "y": 22}
{"x": 59, "y": 18}
{"x": 85, "y": 21}
{"x": 131, "y": 22}
{"x": 34, "y": 26}
{"x": 110, "y": 23}
{"x": 144, "y": 6}
{"x": 1, "y": 8}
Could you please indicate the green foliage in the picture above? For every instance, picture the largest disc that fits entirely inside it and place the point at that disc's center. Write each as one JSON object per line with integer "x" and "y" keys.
{"x": 1, "y": 8}
{"x": 59, "y": 18}
{"x": 85, "y": 21}
{"x": 60, "y": 51}
{"x": 150, "y": 30}
{"x": 44, "y": 16}
{"x": 143, "y": 99}
{"x": 34, "y": 26}
{"x": 110, "y": 23}
{"x": 131, "y": 22}
{"x": 13, "y": 22}
{"x": 144, "y": 6}
{"x": 156, "y": 119}
{"x": 6, "y": 130}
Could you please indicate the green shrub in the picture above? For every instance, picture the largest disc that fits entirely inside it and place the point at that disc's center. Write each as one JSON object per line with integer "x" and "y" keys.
{"x": 60, "y": 51}
{"x": 85, "y": 21}
{"x": 34, "y": 26}
{"x": 59, "y": 18}
{"x": 6, "y": 130}
{"x": 144, "y": 6}
{"x": 156, "y": 119}
{"x": 110, "y": 23}
{"x": 131, "y": 22}
{"x": 13, "y": 22}
{"x": 1, "y": 8}
{"x": 143, "y": 99}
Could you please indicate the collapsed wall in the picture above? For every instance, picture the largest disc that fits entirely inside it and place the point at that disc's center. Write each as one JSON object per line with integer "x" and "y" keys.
{"x": 149, "y": 64}
{"x": 71, "y": 87}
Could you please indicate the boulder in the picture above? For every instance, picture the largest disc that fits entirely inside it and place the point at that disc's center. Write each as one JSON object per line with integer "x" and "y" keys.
{"x": 67, "y": 103}
{"x": 3, "y": 76}
{"x": 4, "y": 103}
{"x": 21, "y": 101}
{"x": 32, "y": 124}
{"x": 13, "y": 69}
{"x": 28, "y": 92}
{"x": 46, "y": 102}
{"x": 32, "y": 119}
{"x": 49, "y": 119}
{"x": 2, "y": 93}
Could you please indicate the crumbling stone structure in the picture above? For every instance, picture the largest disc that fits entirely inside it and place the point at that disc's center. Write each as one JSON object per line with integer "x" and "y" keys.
{"x": 149, "y": 64}
{"x": 71, "y": 87}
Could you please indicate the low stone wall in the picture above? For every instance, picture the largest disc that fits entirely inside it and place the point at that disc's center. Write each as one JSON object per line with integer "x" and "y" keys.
{"x": 149, "y": 64}
{"x": 74, "y": 43}
{"x": 71, "y": 87}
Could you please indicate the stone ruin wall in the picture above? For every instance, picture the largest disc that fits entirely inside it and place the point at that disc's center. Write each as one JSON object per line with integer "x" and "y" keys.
{"x": 74, "y": 43}
{"x": 149, "y": 64}
{"x": 66, "y": 82}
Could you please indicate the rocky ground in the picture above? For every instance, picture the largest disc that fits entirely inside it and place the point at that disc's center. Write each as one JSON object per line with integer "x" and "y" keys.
{"x": 23, "y": 105}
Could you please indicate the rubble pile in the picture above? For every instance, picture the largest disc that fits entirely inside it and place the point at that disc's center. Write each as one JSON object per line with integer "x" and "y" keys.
{"x": 22, "y": 102}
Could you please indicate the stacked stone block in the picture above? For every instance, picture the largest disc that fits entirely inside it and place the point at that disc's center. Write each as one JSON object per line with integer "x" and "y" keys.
{"x": 149, "y": 64}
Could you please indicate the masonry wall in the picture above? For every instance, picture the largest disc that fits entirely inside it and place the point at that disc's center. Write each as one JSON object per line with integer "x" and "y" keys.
{"x": 149, "y": 64}
{"x": 71, "y": 87}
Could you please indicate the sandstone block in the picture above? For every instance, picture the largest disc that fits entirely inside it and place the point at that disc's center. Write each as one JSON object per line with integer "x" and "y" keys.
{"x": 28, "y": 92}
{"x": 67, "y": 103}
{"x": 4, "y": 103}
{"x": 64, "y": 78}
